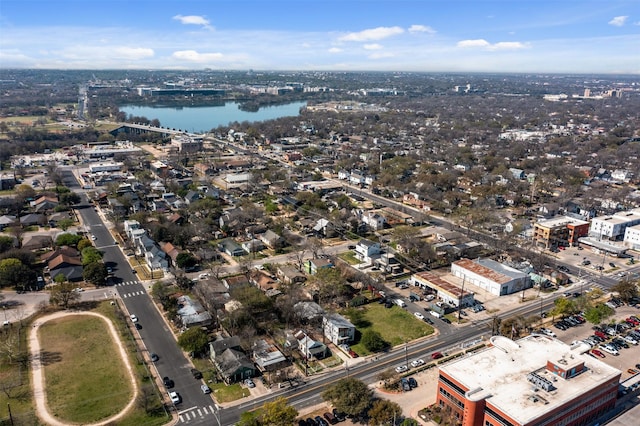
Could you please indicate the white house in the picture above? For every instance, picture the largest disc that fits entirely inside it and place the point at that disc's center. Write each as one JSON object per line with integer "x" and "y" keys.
{"x": 338, "y": 329}
{"x": 375, "y": 221}
{"x": 366, "y": 250}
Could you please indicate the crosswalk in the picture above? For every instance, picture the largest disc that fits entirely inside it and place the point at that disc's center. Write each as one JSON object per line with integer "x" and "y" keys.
{"x": 132, "y": 293}
{"x": 125, "y": 283}
{"x": 195, "y": 413}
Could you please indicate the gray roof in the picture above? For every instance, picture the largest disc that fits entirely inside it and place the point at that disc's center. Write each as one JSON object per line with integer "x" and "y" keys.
{"x": 339, "y": 321}
{"x": 220, "y": 345}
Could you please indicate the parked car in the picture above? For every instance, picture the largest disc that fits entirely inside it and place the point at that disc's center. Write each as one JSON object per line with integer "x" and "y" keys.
{"x": 436, "y": 355}
{"x": 249, "y": 383}
{"x": 418, "y": 315}
{"x": 330, "y": 418}
{"x": 412, "y": 382}
{"x": 168, "y": 383}
{"x": 401, "y": 369}
{"x": 196, "y": 374}
{"x": 175, "y": 397}
{"x": 406, "y": 387}
{"x": 133, "y": 318}
{"x": 547, "y": 332}
{"x": 609, "y": 349}
{"x": 597, "y": 353}
{"x": 339, "y": 415}
{"x": 320, "y": 421}
{"x": 205, "y": 389}
{"x": 154, "y": 357}
{"x": 417, "y": 363}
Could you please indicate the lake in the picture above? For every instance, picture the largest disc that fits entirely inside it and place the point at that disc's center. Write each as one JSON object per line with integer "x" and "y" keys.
{"x": 203, "y": 119}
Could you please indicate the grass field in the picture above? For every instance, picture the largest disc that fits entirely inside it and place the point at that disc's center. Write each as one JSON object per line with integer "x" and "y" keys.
{"x": 395, "y": 325}
{"x": 86, "y": 380}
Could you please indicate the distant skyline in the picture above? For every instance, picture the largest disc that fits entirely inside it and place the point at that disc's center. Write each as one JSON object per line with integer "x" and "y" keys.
{"x": 513, "y": 36}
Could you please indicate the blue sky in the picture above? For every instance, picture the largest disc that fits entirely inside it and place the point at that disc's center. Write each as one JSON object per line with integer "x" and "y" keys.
{"x": 564, "y": 36}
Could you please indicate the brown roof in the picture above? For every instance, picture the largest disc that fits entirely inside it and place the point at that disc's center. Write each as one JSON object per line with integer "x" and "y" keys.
{"x": 61, "y": 259}
{"x": 65, "y": 250}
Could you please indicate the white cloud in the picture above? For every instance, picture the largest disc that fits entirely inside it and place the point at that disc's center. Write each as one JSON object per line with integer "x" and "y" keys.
{"x": 381, "y": 55}
{"x": 193, "y": 56}
{"x": 373, "y": 34}
{"x": 484, "y": 44}
{"x": 474, "y": 43}
{"x": 618, "y": 21}
{"x": 373, "y": 46}
{"x": 335, "y": 50}
{"x": 193, "y": 20}
{"x": 133, "y": 52}
{"x": 421, "y": 29}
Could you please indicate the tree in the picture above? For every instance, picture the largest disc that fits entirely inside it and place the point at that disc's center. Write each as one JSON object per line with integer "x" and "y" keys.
{"x": 84, "y": 243}
{"x": 185, "y": 260}
{"x": 597, "y": 314}
{"x": 91, "y": 255}
{"x": 563, "y": 306}
{"x": 627, "y": 289}
{"x": 373, "y": 341}
{"x": 194, "y": 340}
{"x": 278, "y": 413}
{"x": 349, "y": 395}
{"x": 384, "y": 412}
{"x": 95, "y": 273}
{"x": 69, "y": 198}
{"x": 70, "y": 240}
{"x": 249, "y": 418}
{"x": 6, "y": 243}
{"x": 14, "y": 273}
{"x": 65, "y": 224}
{"x": 63, "y": 294}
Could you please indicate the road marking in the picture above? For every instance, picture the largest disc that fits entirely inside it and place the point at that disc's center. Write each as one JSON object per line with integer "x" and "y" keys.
{"x": 205, "y": 410}
{"x": 200, "y": 413}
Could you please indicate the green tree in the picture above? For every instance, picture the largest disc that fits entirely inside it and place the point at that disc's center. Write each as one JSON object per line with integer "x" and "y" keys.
{"x": 185, "y": 260}
{"x": 384, "y": 412}
{"x": 70, "y": 240}
{"x": 6, "y": 243}
{"x": 278, "y": 413}
{"x": 84, "y": 243}
{"x": 627, "y": 289}
{"x": 349, "y": 395}
{"x": 563, "y": 307}
{"x": 95, "y": 273}
{"x": 249, "y": 418}
{"x": 65, "y": 224}
{"x": 373, "y": 341}
{"x": 69, "y": 198}
{"x": 90, "y": 255}
{"x": 14, "y": 273}
{"x": 194, "y": 340}
{"x": 598, "y": 314}
{"x": 63, "y": 294}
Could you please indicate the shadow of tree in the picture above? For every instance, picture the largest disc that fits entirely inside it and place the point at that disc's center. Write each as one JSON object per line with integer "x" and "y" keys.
{"x": 48, "y": 358}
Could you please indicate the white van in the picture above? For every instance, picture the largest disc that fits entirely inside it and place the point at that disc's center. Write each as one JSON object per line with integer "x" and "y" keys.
{"x": 400, "y": 303}
{"x": 435, "y": 314}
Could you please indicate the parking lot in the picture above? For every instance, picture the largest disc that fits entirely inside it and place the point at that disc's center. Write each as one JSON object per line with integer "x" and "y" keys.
{"x": 627, "y": 358}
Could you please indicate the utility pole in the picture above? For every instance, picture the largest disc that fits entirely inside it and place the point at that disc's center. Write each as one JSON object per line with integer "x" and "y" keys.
{"x": 460, "y": 300}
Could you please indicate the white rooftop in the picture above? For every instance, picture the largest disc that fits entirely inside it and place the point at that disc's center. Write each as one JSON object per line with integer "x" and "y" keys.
{"x": 499, "y": 375}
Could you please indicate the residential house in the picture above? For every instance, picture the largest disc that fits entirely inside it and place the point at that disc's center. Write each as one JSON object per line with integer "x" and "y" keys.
{"x": 6, "y": 221}
{"x": 149, "y": 249}
{"x": 289, "y": 274}
{"x": 268, "y": 357}
{"x": 45, "y": 203}
{"x": 263, "y": 281}
{"x": 32, "y": 219}
{"x": 314, "y": 265}
{"x": 69, "y": 267}
{"x": 118, "y": 208}
{"x": 192, "y": 313}
{"x": 338, "y": 329}
{"x": 236, "y": 281}
{"x": 64, "y": 250}
{"x": 230, "y": 247}
{"x": 367, "y": 250}
{"x": 252, "y": 246}
{"x": 310, "y": 348}
{"x": 171, "y": 251}
{"x": 177, "y": 218}
{"x": 34, "y": 241}
{"x": 308, "y": 312}
{"x": 231, "y": 362}
{"x": 375, "y": 221}
{"x": 55, "y": 218}
{"x": 272, "y": 240}
{"x": 325, "y": 228}
{"x": 191, "y": 197}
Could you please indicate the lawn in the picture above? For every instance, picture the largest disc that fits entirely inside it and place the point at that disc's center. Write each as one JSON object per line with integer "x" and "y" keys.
{"x": 14, "y": 376}
{"x": 86, "y": 380}
{"x": 349, "y": 257}
{"x": 395, "y": 325}
{"x": 224, "y": 393}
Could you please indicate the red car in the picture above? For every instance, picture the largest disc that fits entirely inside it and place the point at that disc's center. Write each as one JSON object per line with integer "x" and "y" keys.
{"x": 597, "y": 353}
{"x": 600, "y": 334}
{"x": 632, "y": 321}
{"x": 436, "y": 355}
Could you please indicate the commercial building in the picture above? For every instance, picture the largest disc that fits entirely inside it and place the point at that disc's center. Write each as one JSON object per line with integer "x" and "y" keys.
{"x": 560, "y": 231}
{"x": 491, "y": 276}
{"x": 536, "y": 380}
{"x": 449, "y": 292}
{"x": 612, "y": 227}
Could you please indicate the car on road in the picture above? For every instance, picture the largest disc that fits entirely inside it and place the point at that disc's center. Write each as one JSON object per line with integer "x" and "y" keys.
{"x": 78, "y": 290}
{"x": 154, "y": 356}
{"x": 196, "y": 374}
{"x": 109, "y": 270}
{"x": 134, "y": 318}
{"x": 417, "y": 363}
{"x": 436, "y": 355}
{"x": 401, "y": 369}
{"x": 428, "y": 320}
{"x": 93, "y": 238}
{"x": 168, "y": 383}
{"x": 597, "y": 353}
{"x": 447, "y": 320}
{"x": 175, "y": 397}
{"x": 418, "y": 315}
{"x": 205, "y": 389}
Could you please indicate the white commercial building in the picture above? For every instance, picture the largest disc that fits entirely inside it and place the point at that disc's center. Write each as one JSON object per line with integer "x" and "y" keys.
{"x": 613, "y": 226}
{"x": 491, "y": 276}
{"x": 632, "y": 237}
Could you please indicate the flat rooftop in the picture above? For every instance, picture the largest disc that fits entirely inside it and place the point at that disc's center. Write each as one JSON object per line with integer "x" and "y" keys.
{"x": 499, "y": 375}
{"x": 491, "y": 270}
{"x": 561, "y": 221}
